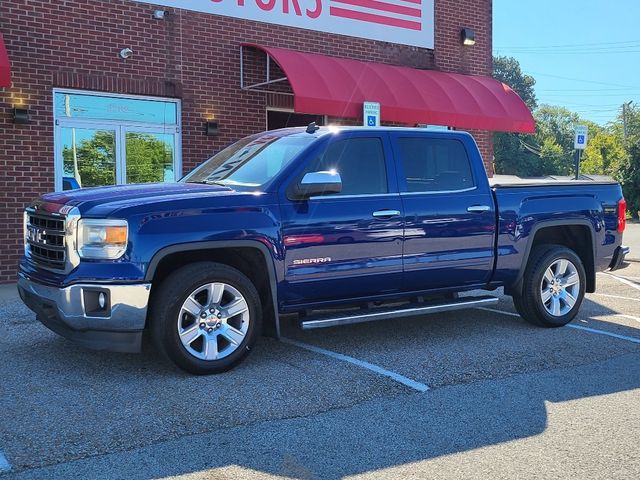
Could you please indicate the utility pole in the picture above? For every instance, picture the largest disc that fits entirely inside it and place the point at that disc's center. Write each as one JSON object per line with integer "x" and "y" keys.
{"x": 624, "y": 120}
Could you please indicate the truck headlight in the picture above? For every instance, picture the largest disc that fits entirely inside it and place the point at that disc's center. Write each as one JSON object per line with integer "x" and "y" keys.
{"x": 102, "y": 238}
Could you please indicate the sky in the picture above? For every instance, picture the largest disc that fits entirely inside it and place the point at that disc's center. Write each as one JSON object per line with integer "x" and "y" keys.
{"x": 584, "y": 54}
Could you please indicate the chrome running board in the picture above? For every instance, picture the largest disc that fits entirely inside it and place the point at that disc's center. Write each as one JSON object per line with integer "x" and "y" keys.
{"x": 406, "y": 310}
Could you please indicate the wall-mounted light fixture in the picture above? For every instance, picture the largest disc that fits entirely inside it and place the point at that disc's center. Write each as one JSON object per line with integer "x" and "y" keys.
{"x": 160, "y": 14}
{"x": 468, "y": 36}
{"x": 21, "y": 116}
{"x": 211, "y": 128}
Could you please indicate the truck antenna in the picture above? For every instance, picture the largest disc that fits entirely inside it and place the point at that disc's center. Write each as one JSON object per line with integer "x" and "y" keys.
{"x": 312, "y": 128}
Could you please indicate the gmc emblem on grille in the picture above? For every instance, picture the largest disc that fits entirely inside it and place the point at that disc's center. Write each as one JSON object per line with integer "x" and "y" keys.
{"x": 36, "y": 235}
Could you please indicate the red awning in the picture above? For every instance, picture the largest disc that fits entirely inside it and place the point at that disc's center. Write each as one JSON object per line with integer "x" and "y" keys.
{"x": 5, "y": 67}
{"x": 338, "y": 87}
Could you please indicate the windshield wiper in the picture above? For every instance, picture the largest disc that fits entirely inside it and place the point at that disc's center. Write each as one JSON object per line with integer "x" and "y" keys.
{"x": 209, "y": 182}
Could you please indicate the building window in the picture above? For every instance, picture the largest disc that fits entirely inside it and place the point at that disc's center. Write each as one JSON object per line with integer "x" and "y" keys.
{"x": 107, "y": 139}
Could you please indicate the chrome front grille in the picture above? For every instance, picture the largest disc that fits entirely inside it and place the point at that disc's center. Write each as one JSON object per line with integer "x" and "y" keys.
{"x": 45, "y": 239}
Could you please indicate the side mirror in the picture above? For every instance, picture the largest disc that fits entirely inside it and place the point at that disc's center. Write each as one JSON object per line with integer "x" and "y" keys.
{"x": 318, "y": 183}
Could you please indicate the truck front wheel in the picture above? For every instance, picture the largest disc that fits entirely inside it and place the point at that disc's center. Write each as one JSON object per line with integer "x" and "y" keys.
{"x": 206, "y": 317}
{"x": 553, "y": 286}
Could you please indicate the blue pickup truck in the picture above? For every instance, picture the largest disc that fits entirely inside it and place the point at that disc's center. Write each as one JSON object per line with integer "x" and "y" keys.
{"x": 336, "y": 225}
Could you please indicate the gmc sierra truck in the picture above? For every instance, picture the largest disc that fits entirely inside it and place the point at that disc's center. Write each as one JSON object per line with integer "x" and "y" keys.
{"x": 337, "y": 225}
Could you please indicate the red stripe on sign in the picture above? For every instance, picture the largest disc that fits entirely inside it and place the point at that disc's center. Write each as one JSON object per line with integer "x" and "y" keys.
{"x": 372, "y": 18}
{"x": 387, "y": 7}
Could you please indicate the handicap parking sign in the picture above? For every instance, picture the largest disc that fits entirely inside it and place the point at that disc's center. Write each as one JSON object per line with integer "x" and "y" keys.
{"x": 581, "y": 137}
{"x": 371, "y": 114}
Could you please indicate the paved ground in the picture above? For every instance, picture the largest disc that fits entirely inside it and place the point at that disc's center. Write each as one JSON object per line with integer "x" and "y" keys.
{"x": 631, "y": 238}
{"x": 505, "y": 400}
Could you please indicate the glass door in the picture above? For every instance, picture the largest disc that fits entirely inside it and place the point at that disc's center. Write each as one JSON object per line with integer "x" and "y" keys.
{"x": 88, "y": 156}
{"x": 149, "y": 155}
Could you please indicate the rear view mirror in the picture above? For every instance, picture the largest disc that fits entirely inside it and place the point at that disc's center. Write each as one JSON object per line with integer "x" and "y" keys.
{"x": 319, "y": 183}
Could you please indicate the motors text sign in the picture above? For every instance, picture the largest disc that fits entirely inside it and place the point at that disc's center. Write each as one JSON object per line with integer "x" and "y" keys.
{"x": 407, "y": 22}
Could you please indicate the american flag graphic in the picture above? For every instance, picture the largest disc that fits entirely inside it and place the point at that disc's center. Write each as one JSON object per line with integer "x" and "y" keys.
{"x": 406, "y": 14}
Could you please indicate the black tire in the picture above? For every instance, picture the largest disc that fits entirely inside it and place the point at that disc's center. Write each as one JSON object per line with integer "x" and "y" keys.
{"x": 529, "y": 303}
{"x": 167, "y": 303}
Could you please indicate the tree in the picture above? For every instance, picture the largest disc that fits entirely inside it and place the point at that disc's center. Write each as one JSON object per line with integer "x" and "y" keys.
{"x": 512, "y": 153}
{"x": 148, "y": 158}
{"x": 629, "y": 172}
{"x": 605, "y": 153}
{"x": 507, "y": 70}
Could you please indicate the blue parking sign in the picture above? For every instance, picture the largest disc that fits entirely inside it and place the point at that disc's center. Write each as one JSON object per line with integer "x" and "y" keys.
{"x": 581, "y": 139}
{"x": 371, "y": 120}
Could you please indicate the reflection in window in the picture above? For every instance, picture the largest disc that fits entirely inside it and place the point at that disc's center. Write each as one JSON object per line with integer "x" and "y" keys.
{"x": 149, "y": 157}
{"x": 89, "y": 156}
{"x": 101, "y": 107}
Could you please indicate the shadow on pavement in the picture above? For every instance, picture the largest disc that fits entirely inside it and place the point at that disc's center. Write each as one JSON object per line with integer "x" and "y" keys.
{"x": 284, "y": 412}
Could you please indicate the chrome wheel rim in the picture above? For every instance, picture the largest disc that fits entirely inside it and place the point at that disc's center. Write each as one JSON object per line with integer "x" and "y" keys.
{"x": 213, "y": 321}
{"x": 560, "y": 287}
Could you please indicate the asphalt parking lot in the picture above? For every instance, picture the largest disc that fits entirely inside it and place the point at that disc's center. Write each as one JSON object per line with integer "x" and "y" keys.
{"x": 477, "y": 393}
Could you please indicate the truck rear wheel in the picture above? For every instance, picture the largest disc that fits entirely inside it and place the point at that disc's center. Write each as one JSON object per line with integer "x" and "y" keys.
{"x": 206, "y": 317}
{"x": 553, "y": 287}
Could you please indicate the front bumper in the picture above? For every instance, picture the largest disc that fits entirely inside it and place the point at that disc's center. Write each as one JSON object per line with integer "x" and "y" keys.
{"x": 63, "y": 310}
{"x": 617, "y": 261}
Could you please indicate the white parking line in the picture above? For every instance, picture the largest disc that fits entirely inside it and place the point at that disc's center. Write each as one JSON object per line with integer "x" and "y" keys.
{"x": 602, "y": 332}
{"x": 420, "y": 387}
{"x": 615, "y": 296}
{"x": 630, "y": 317}
{"x": 624, "y": 280}
{"x": 570, "y": 325}
{"x": 511, "y": 314}
{"x": 5, "y": 466}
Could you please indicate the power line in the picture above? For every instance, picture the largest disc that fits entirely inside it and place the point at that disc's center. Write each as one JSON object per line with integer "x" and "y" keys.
{"x": 572, "y": 53}
{"x": 583, "y": 80}
{"x": 577, "y": 44}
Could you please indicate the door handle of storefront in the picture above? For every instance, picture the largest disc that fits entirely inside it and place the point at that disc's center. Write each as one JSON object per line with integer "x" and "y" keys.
{"x": 478, "y": 208}
{"x": 386, "y": 213}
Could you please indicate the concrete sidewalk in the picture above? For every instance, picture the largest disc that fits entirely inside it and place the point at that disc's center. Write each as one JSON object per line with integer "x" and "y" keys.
{"x": 8, "y": 292}
{"x": 631, "y": 239}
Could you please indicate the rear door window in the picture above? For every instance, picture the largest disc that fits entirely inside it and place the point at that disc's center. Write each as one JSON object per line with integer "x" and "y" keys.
{"x": 435, "y": 165}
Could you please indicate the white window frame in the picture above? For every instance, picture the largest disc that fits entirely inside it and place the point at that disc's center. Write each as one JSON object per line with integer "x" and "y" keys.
{"x": 120, "y": 126}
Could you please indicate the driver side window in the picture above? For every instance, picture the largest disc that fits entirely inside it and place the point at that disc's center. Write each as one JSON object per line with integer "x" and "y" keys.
{"x": 360, "y": 163}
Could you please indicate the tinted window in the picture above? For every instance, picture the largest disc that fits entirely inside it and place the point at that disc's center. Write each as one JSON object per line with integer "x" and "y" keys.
{"x": 433, "y": 165}
{"x": 360, "y": 163}
{"x": 252, "y": 161}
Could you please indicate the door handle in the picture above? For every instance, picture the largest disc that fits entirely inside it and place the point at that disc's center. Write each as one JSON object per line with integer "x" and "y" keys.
{"x": 478, "y": 208}
{"x": 386, "y": 213}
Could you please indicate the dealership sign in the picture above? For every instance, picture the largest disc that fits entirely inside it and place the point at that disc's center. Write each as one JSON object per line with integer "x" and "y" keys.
{"x": 408, "y": 22}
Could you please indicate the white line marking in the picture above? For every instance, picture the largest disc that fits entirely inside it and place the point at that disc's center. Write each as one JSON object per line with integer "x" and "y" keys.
{"x": 602, "y": 332}
{"x": 5, "y": 466}
{"x": 624, "y": 280}
{"x": 578, "y": 327}
{"x": 615, "y": 296}
{"x": 420, "y": 387}
{"x": 630, "y": 317}
{"x": 498, "y": 311}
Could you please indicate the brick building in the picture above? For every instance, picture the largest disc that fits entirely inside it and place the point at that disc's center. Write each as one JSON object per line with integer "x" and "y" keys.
{"x": 84, "y": 85}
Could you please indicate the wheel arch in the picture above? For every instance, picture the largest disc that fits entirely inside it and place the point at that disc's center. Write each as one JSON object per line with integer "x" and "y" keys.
{"x": 561, "y": 232}
{"x": 237, "y": 254}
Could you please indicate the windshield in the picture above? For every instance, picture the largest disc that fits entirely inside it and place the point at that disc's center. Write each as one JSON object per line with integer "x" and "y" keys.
{"x": 250, "y": 162}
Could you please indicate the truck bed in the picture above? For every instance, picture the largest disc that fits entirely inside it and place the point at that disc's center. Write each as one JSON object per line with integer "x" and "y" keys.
{"x": 503, "y": 181}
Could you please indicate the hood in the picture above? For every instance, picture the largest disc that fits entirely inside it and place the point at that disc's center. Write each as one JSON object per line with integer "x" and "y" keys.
{"x": 102, "y": 201}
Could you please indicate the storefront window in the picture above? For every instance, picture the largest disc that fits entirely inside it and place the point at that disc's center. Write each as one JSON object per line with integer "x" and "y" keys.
{"x": 113, "y": 140}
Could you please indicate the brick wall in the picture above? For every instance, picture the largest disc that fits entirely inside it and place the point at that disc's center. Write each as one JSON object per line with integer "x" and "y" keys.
{"x": 190, "y": 55}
